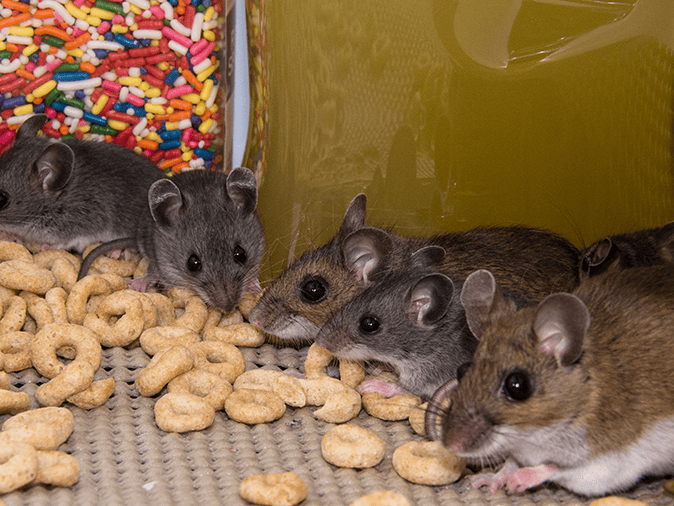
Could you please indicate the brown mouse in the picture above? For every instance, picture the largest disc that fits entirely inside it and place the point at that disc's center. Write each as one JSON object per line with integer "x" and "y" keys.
{"x": 577, "y": 391}
{"x": 530, "y": 263}
{"x": 653, "y": 246}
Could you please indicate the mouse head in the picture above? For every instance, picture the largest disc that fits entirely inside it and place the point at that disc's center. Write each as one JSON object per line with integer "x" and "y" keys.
{"x": 33, "y": 171}
{"x": 525, "y": 377}
{"x": 305, "y": 295}
{"x": 206, "y": 234}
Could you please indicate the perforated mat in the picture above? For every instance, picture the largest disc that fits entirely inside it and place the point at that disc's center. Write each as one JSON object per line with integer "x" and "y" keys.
{"x": 126, "y": 460}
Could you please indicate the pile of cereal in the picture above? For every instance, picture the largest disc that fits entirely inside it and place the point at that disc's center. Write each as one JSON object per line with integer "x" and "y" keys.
{"x": 139, "y": 73}
{"x": 58, "y": 325}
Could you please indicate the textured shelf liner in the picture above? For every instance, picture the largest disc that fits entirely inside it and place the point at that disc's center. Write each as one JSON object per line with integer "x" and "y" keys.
{"x": 126, "y": 460}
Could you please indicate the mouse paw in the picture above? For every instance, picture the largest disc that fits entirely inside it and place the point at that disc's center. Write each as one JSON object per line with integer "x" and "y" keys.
{"x": 495, "y": 481}
{"x": 381, "y": 387}
{"x": 528, "y": 477}
{"x": 139, "y": 285}
{"x": 514, "y": 478}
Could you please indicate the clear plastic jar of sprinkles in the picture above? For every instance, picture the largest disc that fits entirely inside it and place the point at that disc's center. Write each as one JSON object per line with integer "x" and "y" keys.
{"x": 144, "y": 74}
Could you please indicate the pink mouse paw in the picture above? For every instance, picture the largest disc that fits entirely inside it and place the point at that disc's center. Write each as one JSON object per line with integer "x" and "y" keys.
{"x": 495, "y": 481}
{"x": 140, "y": 284}
{"x": 529, "y": 477}
{"x": 381, "y": 387}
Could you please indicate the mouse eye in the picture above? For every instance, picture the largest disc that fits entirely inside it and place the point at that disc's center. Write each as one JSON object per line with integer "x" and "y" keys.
{"x": 240, "y": 256}
{"x": 369, "y": 324}
{"x": 313, "y": 290}
{"x": 462, "y": 370}
{"x": 193, "y": 263}
{"x": 517, "y": 386}
{"x": 4, "y": 200}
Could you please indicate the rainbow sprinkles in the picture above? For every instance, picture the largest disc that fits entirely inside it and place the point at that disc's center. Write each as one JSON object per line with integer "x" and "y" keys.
{"x": 138, "y": 73}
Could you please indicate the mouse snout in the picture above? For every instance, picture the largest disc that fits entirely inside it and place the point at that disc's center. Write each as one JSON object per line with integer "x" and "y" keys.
{"x": 463, "y": 431}
{"x": 223, "y": 298}
{"x": 334, "y": 338}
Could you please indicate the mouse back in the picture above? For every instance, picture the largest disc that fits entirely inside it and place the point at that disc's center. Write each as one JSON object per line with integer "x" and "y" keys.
{"x": 204, "y": 234}
{"x": 47, "y": 188}
{"x": 643, "y": 248}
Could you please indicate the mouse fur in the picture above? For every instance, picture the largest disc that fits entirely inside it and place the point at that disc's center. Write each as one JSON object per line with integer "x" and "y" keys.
{"x": 578, "y": 390}
{"x": 653, "y": 246}
{"x": 529, "y": 262}
{"x": 58, "y": 192}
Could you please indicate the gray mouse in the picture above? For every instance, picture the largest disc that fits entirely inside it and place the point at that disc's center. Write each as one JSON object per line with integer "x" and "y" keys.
{"x": 412, "y": 320}
{"x": 200, "y": 231}
{"x": 530, "y": 262}
{"x": 59, "y": 192}
{"x": 653, "y": 246}
{"x": 197, "y": 229}
{"x": 577, "y": 391}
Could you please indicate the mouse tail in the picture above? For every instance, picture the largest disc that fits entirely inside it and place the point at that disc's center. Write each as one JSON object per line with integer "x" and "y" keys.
{"x": 106, "y": 247}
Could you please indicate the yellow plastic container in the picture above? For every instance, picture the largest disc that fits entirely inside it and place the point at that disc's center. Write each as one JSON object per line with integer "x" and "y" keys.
{"x": 452, "y": 114}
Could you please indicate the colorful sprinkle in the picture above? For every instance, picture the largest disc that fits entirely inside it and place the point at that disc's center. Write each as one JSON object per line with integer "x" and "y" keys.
{"x": 139, "y": 73}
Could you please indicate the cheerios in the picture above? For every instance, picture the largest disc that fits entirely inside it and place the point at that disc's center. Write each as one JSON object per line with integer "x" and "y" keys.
{"x": 254, "y": 406}
{"x": 95, "y": 395}
{"x": 160, "y": 338}
{"x": 79, "y": 295}
{"x": 176, "y": 412}
{"x": 352, "y": 446}
{"x": 24, "y": 275}
{"x": 128, "y": 326}
{"x": 211, "y": 387}
{"x": 279, "y": 489}
{"x": 393, "y": 408}
{"x": 42, "y": 428}
{"x": 164, "y": 366}
{"x": 57, "y": 468}
{"x": 222, "y": 359}
{"x": 427, "y": 463}
{"x": 238, "y": 334}
{"x": 381, "y": 498}
{"x": 18, "y": 465}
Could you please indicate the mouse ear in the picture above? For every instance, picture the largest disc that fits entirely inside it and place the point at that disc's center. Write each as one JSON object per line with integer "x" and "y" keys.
{"x": 52, "y": 170}
{"x": 428, "y": 256}
{"x": 165, "y": 200}
{"x": 242, "y": 189}
{"x": 430, "y": 298}
{"x": 354, "y": 217}
{"x": 480, "y": 296}
{"x": 596, "y": 255}
{"x": 30, "y": 127}
{"x": 560, "y": 323}
{"x": 366, "y": 251}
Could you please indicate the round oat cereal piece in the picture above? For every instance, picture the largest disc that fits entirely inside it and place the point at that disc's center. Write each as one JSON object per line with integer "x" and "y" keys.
{"x": 23, "y": 275}
{"x": 248, "y": 301}
{"x": 14, "y": 315}
{"x": 160, "y": 338}
{"x": 254, "y": 406}
{"x": 238, "y": 334}
{"x": 43, "y": 428}
{"x": 316, "y": 363}
{"x": 18, "y": 465}
{"x": 13, "y": 402}
{"x": 279, "y": 489}
{"x": 352, "y": 446}
{"x": 616, "y": 501}
{"x": 176, "y": 412}
{"x": 211, "y": 387}
{"x": 57, "y": 468}
{"x": 76, "y": 304}
{"x": 15, "y": 348}
{"x": 129, "y": 324}
{"x": 391, "y": 409}
{"x": 14, "y": 251}
{"x": 382, "y": 498}
{"x": 340, "y": 407}
{"x": 96, "y": 395}
{"x": 351, "y": 374}
{"x": 164, "y": 366}
{"x": 427, "y": 463}
{"x": 417, "y": 419}
{"x": 222, "y": 359}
